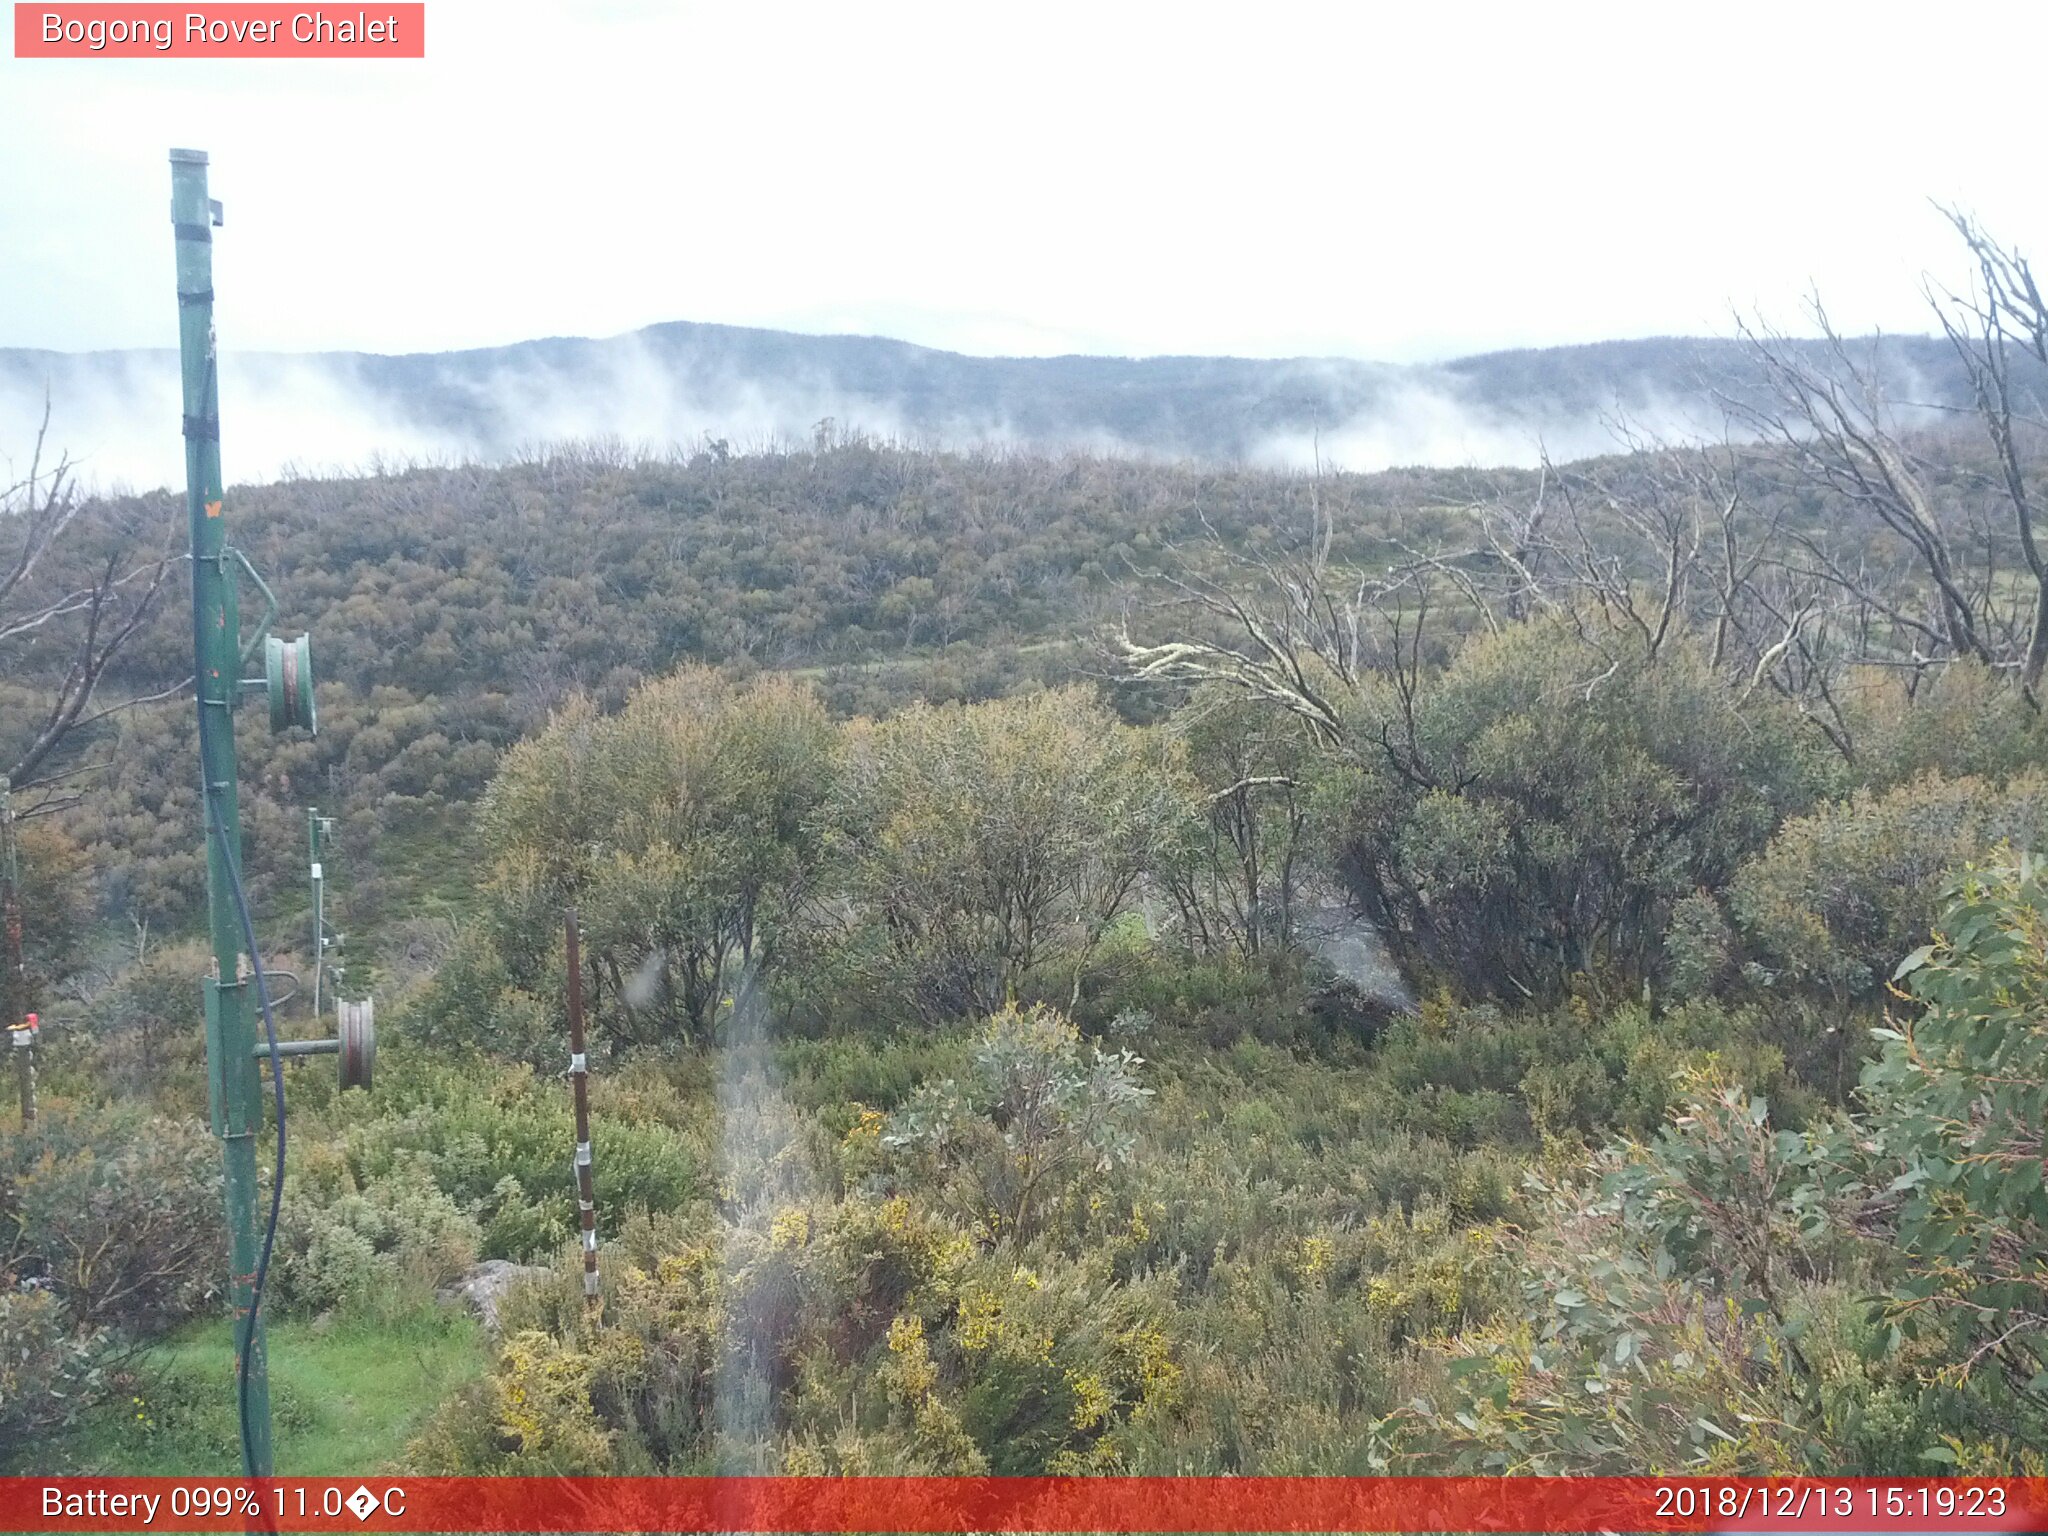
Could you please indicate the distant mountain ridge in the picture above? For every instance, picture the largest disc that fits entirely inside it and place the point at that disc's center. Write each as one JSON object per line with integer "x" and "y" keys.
{"x": 684, "y": 383}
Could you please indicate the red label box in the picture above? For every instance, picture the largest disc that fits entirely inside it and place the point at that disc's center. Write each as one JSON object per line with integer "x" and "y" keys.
{"x": 103, "y": 30}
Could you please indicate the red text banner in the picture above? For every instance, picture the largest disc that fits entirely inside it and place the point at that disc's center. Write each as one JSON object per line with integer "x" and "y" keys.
{"x": 947, "y": 1504}
{"x": 223, "y": 31}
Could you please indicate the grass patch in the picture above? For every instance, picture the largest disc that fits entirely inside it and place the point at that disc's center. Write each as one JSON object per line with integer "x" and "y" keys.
{"x": 346, "y": 1397}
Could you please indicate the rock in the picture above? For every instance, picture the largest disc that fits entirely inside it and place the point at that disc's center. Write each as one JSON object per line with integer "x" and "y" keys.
{"x": 482, "y": 1289}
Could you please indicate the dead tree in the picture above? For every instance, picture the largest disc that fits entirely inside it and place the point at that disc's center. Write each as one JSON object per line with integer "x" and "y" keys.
{"x": 2004, "y": 314}
{"x": 67, "y": 632}
{"x": 1291, "y": 629}
{"x": 1974, "y": 582}
{"x": 59, "y": 632}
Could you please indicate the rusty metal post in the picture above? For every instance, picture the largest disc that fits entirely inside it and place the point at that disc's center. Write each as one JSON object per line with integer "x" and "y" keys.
{"x": 15, "y": 1017}
{"x": 579, "y": 1079}
{"x": 24, "y": 1050}
{"x": 313, "y": 829}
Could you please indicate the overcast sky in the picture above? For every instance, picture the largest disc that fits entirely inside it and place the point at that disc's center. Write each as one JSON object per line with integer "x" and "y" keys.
{"x": 1398, "y": 182}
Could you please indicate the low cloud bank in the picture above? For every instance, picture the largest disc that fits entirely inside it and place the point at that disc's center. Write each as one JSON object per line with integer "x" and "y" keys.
{"x": 117, "y": 414}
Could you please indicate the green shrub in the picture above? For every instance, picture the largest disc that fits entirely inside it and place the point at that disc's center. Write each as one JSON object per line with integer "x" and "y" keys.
{"x": 471, "y": 1004}
{"x": 1698, "y": 1302}
{"x": 992, "y": 847}
{"x": 1535, "y": 811}
{"x": 1950, "y": 1148}
{"x": 836, "y": 1075}
{"x": 532, "y": 1417}
{"x": 1473, "y": 1075}
{"x": 396, "y": 1235}
{"x": 1660, "y": 1316}
{"x": 118, "y": 1211}
{"x": 50, "y": 1370}
{"x": 519, "y": 1226}
{"x": 1236, "y": 874}
{"x": 469, "y": 1124}
{"x": 682, "y": 828}
{"x": 1845, "y": 890}
{"x": 1963, "y": 720}
{"x": 139, "y": 1037}
{"x": 1698, "y": 947}
{"x": 1218, "y": 1001}
{"x": 1030, "y": 1118}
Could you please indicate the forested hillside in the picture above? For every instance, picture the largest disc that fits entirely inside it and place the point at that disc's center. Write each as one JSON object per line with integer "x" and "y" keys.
{"x": 453, "y": 610}
{"x": 949, "y": 835}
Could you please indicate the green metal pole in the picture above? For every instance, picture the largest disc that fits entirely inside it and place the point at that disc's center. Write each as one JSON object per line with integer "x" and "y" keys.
{"x": 232, "y": 1073}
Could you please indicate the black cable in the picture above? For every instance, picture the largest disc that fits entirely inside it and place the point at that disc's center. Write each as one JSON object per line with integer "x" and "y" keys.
{"x": 216, "y": 824}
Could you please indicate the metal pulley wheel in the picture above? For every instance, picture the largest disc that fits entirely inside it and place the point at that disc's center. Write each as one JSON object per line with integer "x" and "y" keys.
{"x": 288, "y": 675}
{"x": 357, "y": 1033}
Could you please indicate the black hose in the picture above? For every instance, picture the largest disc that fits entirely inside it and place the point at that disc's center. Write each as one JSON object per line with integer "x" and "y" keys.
{"x": 216, "y": 824}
